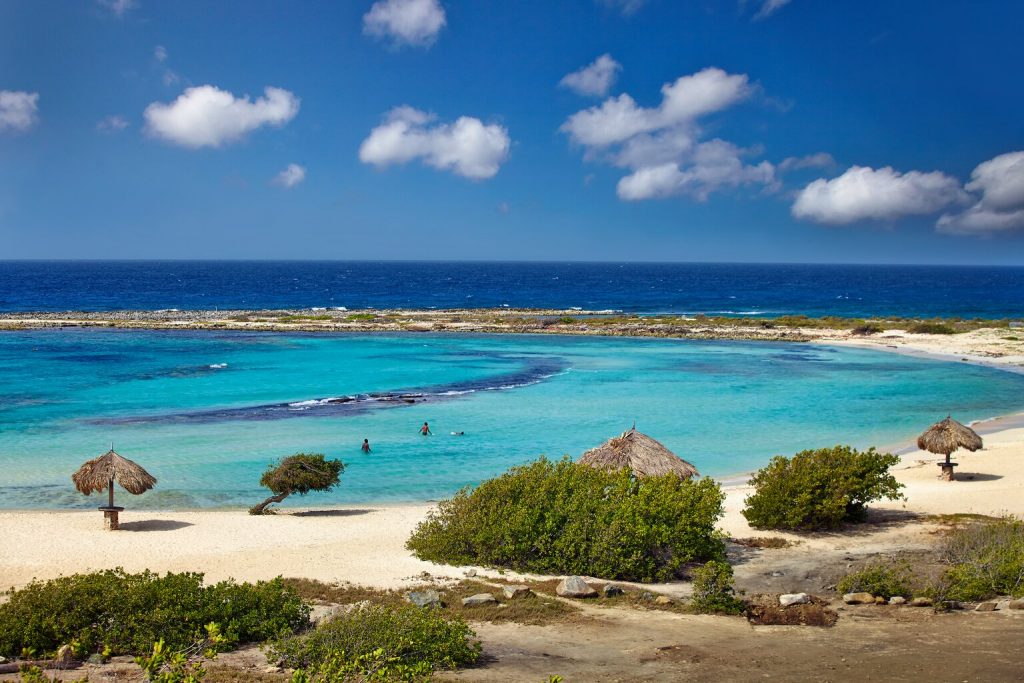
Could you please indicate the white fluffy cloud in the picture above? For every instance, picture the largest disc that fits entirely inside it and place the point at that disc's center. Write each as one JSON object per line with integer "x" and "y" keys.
{"x": 405, "y": 22}
{"x": 206, "y": 116}
{"x": 863, "y": 193}
{"x": 661, "y": 145}
{"x": 714, "y": 165}
{"x": 118, "y": 7}
{"x": 1000, "y": 206}
{"x": 770, "y": 7}
{"x": 19, "y": 110}
{"x": 292, "y": 175}
{"x": 466, "y": 147}
{"x": 595, "y": 79}
{"x": 618, "y": 119}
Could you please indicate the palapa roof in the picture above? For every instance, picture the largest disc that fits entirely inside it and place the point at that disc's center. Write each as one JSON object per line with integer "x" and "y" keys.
{"x": 95, "y": 475}
{"x": 948, "y": 435}
{"x": 645, "y": 456}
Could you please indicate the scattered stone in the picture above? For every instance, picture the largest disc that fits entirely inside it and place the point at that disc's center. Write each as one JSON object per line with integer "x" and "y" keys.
{"x": 427, "y": 598}
{"x": 1003, "y": 605}
{"x": 513, "y": 592}
{"x": 897, "y": 600}
{"x": 921, "y": 602}
{"x": 1016, "y": 604}
{"x": 664, "y": 600}
{"x": 575, "y": 587}
{"x": 479, "y": 599}
{"x": 859, "y": 599}
{"x": 64, "y": 655}
{"x": 777, "y": 573}
{"x": 986, "y": 607}
{"x": 272, "y": 670}
{"x": 470, "y": 573}
{"x": 647, "y": 596}
{"x": 787, "y": 599}
{"x": 881, "y": 601}
{"x": 610, "y": 590}
{"x": 94, "y": 658}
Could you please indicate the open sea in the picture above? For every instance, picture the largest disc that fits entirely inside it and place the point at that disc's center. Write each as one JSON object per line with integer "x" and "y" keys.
{"x": 206, "y": 411}
{"x": 711, "y": 288}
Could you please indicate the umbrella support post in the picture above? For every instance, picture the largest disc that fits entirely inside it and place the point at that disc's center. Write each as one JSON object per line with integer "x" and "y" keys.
{"x": 947, "y": 470}
{"x": 110, "y": 521}
{"x": 110, "y": 517}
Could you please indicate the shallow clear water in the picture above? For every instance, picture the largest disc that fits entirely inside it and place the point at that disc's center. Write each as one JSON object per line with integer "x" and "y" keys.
{"x": 205, "y": 412}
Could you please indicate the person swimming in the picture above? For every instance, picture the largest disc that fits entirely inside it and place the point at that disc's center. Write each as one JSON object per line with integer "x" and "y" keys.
{"x": 458, "y": 433}
{"x": 425, "y": 430}
{"x": 366, "y": 445}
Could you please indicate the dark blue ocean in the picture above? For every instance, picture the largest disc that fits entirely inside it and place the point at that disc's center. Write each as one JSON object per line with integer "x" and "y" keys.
{"x": 717, "y": 289}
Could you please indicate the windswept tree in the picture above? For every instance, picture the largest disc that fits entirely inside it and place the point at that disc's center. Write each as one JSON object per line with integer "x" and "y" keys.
{"x": 299, "y": 473}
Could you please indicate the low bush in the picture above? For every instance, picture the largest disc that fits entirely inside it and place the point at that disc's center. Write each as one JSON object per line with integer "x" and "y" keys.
{"x": 868, "y": 328}
{"x": 120, "y": 613}
{"x": 379, "y": 643}
{"x": 564, "y": 518}
{"x": 879, "y": 578}
{"x": 931, "y": 328}
{"x": 985, "y": 560}
{"x": 713, "y": 592}
{"x": 820, "y": 489}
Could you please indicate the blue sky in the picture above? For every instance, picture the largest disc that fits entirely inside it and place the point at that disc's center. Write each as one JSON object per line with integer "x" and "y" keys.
{"x": 712, "y": 130}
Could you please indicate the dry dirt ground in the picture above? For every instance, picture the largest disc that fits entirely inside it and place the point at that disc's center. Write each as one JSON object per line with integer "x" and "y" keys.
{"x": 868, "y": 644}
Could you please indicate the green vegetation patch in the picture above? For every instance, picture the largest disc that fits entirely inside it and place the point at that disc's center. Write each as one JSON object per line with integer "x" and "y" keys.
{"x": 713, "y": 591}
{"x": 883, "y": 578}
{"x": 379, "y": 643}
{"x": 123, "y": 613}
{"x": 564, "y": 518}
{"x": 820, "y": 489}
{"x": 984, "y": 560}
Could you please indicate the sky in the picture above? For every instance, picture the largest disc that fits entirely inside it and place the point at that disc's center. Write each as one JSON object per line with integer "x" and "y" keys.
{"x": 585, "y": 130}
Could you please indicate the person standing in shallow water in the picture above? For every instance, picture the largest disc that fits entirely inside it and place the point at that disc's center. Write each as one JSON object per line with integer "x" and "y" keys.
{"x": 425, "y": 430}
{"x": 366, "y": 445}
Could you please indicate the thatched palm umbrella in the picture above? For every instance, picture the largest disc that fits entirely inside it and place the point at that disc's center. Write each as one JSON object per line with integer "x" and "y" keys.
{"x": 946, "y": 436}
{"x": 100, "y": 473}
{"x": 645, "y": 456}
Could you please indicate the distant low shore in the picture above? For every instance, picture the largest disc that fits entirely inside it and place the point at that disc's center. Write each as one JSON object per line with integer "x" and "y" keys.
{"x": 997, "y": 343}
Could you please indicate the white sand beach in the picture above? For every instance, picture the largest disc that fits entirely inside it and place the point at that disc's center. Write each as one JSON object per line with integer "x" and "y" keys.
{"x": 366, "y": 545}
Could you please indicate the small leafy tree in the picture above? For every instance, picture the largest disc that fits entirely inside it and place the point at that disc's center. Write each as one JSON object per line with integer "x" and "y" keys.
{"x": 820, "y": 489}
{"x": 299, "y": 473}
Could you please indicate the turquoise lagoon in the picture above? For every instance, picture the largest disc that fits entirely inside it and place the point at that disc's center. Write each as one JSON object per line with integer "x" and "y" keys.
{"x": 206, "y": 411}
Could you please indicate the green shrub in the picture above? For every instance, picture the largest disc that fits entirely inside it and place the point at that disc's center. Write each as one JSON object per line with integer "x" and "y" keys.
{"x": 299, "y": 473}
{"x": 931, "y": 328}
{"x": 126, "y": 613}
{"x": 879, "y": 578}
{"x": 985, "y": 560}
{"x": 868, "y": 328}
{"x": 713, "y": 592}
{"x": 820, "y": 489}
{"x": 564, "y": 518}
{"x": 380, "y": 643}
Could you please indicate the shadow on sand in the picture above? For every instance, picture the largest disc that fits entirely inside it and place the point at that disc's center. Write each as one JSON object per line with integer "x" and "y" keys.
{"x": 331, "y": 513}
{"x": 154, "y": 525}
{"x": 975, "y": 476}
